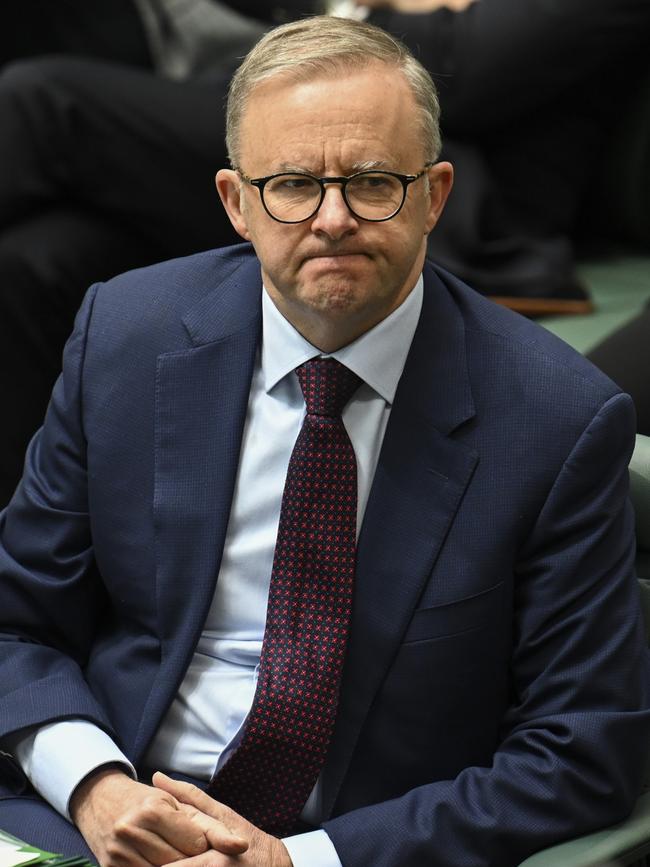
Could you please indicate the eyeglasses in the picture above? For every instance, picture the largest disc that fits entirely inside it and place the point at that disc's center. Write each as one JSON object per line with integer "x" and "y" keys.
{"x": 293, "y": 197}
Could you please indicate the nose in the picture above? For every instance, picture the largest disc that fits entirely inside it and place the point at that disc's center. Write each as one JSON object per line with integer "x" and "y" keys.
{"x": 334, "y": 218}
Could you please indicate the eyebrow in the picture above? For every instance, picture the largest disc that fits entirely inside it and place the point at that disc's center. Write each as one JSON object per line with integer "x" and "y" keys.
{"x": 360, "y": 166}
{"x": 369, "y": 165}
{"x": 292, "y": 167}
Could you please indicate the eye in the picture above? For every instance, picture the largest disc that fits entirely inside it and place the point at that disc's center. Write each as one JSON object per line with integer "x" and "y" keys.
{"x": 376, "y": 181}
{"x": 296, "y": 183}
{"x": 285, "y": 184}
{"x": 373, "y": 182}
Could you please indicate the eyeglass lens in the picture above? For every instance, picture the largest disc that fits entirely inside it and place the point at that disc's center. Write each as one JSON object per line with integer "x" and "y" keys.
{"x": 371, "y": 195}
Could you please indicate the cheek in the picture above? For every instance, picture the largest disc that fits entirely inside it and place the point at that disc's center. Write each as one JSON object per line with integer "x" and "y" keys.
{"x": 403, "y": 244}
{"x": 278, "y": 257}
{"x": 275, "y": 243}
{"x": 273, "y": 249}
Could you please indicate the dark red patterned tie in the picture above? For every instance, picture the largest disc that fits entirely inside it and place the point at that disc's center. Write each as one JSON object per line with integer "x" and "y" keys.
{"x": 269, "y": 777}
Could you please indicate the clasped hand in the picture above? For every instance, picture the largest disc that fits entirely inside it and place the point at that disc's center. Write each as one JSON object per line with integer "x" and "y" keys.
{"x": 129, "y": 824}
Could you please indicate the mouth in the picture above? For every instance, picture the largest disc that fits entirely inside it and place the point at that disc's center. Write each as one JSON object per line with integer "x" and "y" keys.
{"x": 334, "y": 257}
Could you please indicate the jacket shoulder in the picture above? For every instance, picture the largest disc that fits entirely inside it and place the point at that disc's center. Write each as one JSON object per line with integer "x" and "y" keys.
{"x": 148, "y": 305}
{"x": 523, "y": 350}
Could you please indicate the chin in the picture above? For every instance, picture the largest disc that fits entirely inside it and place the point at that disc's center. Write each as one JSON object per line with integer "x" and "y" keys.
{"x": 335, "y": 296}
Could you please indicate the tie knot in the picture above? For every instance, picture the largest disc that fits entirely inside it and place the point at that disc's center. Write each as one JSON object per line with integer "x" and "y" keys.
{"x": 327, "y": 385}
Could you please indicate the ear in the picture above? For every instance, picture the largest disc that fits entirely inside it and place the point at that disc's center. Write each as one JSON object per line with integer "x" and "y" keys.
{"x": 229, "y": 188}
{"x": 441, "y": 179}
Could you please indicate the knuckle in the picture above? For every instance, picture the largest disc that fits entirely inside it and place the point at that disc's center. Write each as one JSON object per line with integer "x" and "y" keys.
{"x": 122, "y": 829}
{"x": 148, "y": 812}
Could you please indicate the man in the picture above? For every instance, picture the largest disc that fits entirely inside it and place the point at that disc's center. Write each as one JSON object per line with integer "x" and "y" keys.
{"x": 467, "y": 687}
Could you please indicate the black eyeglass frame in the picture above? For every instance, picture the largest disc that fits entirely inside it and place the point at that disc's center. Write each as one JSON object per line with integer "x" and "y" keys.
{"x": 406, "y": 181}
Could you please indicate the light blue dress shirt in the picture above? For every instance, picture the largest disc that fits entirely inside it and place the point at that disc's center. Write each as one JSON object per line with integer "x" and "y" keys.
{"x": 203, "y": 725}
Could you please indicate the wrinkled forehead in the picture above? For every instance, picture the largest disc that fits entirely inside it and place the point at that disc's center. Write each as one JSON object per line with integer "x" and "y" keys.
{"x": 369, "y": 113}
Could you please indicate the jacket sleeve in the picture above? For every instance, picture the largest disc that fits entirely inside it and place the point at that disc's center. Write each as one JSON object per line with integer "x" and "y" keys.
{"x": 575, "y": 738}
{"x": 52, "y": 598}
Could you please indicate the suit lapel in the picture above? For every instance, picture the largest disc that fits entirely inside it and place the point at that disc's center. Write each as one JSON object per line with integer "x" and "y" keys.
{"x": 201, "y": 401}
{"x": 420, "y": 479}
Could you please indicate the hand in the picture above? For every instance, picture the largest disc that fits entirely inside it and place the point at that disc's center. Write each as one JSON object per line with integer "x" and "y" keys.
{"x": 416, "y": 6}
{"x": 263, "y": 849}
{"x": 128, "y": 824}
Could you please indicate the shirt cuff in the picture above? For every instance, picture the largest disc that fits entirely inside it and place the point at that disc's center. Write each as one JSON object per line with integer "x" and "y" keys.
{"x": 314, "y": 849}
{"x": 58, "y": 756}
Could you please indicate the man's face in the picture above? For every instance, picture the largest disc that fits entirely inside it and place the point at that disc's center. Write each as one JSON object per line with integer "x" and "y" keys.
{"x": 334, "y": 276}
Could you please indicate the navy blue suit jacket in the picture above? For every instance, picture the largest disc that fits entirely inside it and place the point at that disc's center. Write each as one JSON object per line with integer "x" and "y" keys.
{"x": 495, "y": 693}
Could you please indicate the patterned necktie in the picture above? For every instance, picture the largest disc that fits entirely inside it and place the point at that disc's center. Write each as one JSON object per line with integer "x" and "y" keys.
{"x": 269, "y": 777}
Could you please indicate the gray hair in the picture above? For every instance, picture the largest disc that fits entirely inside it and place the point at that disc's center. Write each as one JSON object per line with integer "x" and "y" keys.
{"x": 324, "y": 45}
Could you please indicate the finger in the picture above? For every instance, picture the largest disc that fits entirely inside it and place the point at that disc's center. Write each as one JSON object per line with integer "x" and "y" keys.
{"x": 219, "y": 835}
{"x": 135, "y": 846}
{"x": 212, "y": 817}
{"x": 116, "y": 853}
{"x": 187, "y": 793}
{"x": 172, "y": 826}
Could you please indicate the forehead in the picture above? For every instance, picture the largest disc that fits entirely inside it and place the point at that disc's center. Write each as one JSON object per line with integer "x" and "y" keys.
{"x": 330, "y": 122}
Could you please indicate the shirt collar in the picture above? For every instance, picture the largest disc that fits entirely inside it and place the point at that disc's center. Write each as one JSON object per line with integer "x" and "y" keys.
{"x": 377, "y": 357}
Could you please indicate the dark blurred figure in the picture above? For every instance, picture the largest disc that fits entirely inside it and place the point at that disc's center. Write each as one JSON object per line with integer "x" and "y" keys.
{"x": 105, "y": 29}
{"x": 625, "y": 354}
